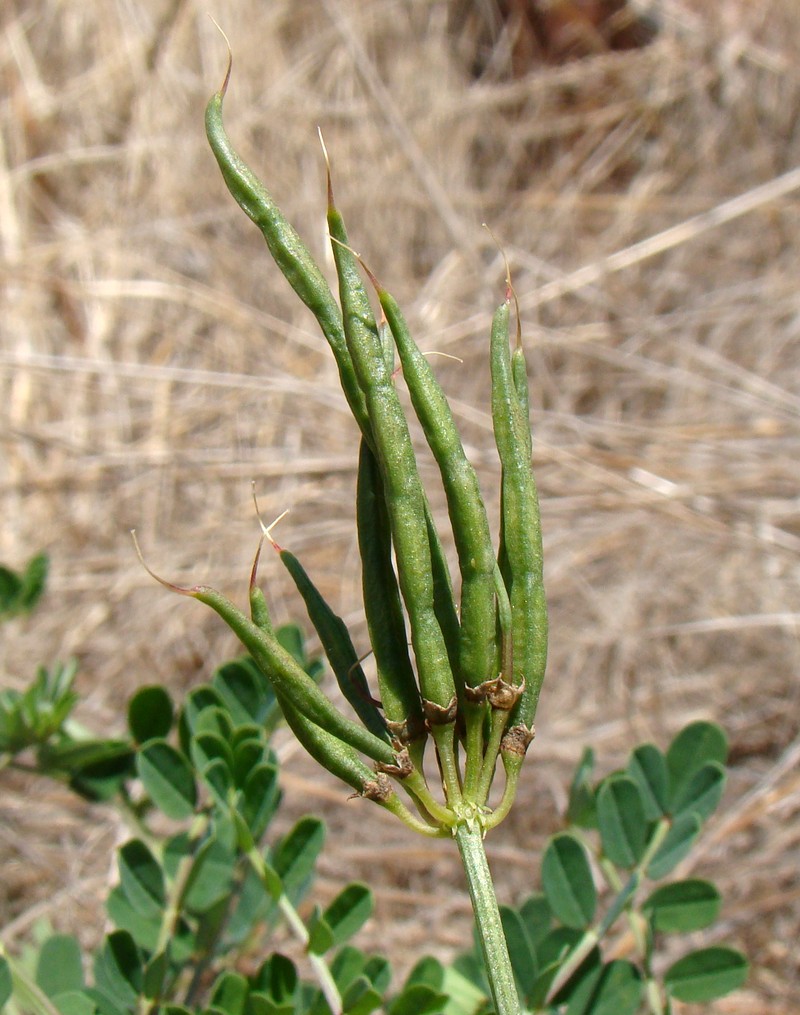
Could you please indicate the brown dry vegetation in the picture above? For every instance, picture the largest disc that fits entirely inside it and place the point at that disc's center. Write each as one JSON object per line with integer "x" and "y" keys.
{"x": 153, "y": 362}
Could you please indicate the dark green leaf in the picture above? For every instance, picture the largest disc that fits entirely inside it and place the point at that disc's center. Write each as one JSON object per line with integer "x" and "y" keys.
{"x": 296, "y": 855}
{"x": 706, "y": 974}
{"x": 677, "y": 844}
{"x": 567, "y": 881}
{"x": 34, "y": 579}
{"x": 218, "y": 779}
{"x": 417, "y": 999}
{"x": 98, "y": 769}
{"x": 75, "y": 1002}
{"x": 155, "y": 973}
{"x": 695, "y": 745}
{"x": 290, "y": 637}
{"x": 552, "y": 952}
{"x": 262, "y": 1004}
{"x": 347, "y": 965}
{"x": 614, "y": 989}
{"x": 520, "y": 949}
{"x": 10, "y": 591}
{"x": 59, "y": 967}
{"x": 247, "y": 755}
{"x": 428, "y": 971}
{"x": 683, "y": 906}
{"x": 118, "y": 969}
{"x": 143, "y": 930}
{"x": 320, "y": 935}
{"x": 211, "y": 877}
{"x": 348, "y": 912}
{"x": 470, "y": 965}
{"x": 361, "y": 998}
{"x": 20, "y": 592}
{"x": 580, "y": 810}
{"x": 168, "y": 779}
{"x": 6, "y": 982}
{"x": 244, "y": 690}
{"x": 702, "y": 793}
{"x": 277, "y": 977}
{"x": 465, "y": 997}
{"x": 537, "y": 917}
{"x": 214, "y": 720}
{"x": 229, "y": 993}
{"x": 150, "y": 713}
{"x": 378, "y": 971}
{"x": 648, "y": 769}
{"x": 255, "y": 904}
{"x": 621, "y": 821}
{"x": 195, "y": 703}
{"x": 141, "y": 878}
{"x": 208, "y": 747}
{"x": 261, "y": 798}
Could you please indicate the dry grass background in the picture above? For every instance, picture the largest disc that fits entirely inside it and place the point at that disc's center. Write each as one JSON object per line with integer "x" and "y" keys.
{"x": 153, "y": 362}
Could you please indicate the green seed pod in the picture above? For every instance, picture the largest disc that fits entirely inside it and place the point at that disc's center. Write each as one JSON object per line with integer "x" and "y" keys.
{"x": 337, "y": 757}
{"x": 286, "y": 247}
{"x": 520, "y": 553}
{"x": 259, "y": 610}
{"x": 291, "y": 682}
{"x": 465, "y": 504}
{"x": 405, "y": 499}
{"x": 338, "y": 647}
{"x": 359, "y": 320}
{"x": 382, "y": 605}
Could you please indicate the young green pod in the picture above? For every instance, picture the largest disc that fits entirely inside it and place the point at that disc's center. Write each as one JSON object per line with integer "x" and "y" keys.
{"x": 359, "y": 325}
{"x": 337, "y": 757}
{"x": 286, "y": 247}
{"x": 291, "y": 682}
{"x": 404, "y": 495}
{"x": 338, "y": 647}
{"x": 521, "y": 547}
{"x": 468, "y": 517}
{"x": 382, "y": 604}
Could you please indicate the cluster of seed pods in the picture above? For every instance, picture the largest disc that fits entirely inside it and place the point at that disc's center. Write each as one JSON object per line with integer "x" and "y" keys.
{"x": 463, "y": 673}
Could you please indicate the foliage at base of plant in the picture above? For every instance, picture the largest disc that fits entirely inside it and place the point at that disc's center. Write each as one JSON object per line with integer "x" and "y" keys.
{"x": 208, "y": 899}
{"x": 630, "y": 830}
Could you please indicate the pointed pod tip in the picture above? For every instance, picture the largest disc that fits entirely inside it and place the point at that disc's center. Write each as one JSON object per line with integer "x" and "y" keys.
{"x": 329, "y": 182}
{"x": 227, "y": 79}
{"x": 266, "y": 530}
{"x": 180, "y": 589}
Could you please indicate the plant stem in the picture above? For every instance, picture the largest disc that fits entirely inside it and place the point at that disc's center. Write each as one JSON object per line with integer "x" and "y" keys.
{"x": 469, "y": 837}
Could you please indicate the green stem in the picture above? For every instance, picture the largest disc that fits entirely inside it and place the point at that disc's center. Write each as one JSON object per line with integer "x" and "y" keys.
{"x": 30, "y": 997}
{"x": 469, "y": 837}
{"x": 318, "y": 963}
{"x": 512, "y": 769}
{"x": 295, "y": 923}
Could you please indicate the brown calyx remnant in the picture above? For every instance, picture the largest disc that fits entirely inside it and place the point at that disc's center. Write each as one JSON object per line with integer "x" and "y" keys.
{"x": 401, "y": 769}
{"x": 440, "y": 715}
{"x": 517, "y": 740}
{"x": 498, "y": 692}
{"x": 406, "y": 731}
{"x": 378, "y": 789}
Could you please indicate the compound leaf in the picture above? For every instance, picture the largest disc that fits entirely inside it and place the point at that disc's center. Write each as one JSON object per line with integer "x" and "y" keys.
{"x": 695, "y": 745}
{"x": 683, "y": 906}
{"x": 621, "y": 820}
{"x": 567, "y": 881}
{"x": 648, "y": 769}
{"x": 676, "y": 845}
{"x": 168, "y": 778}
{"x": 150, "y": 713}
{"x": 706, "y": 974}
